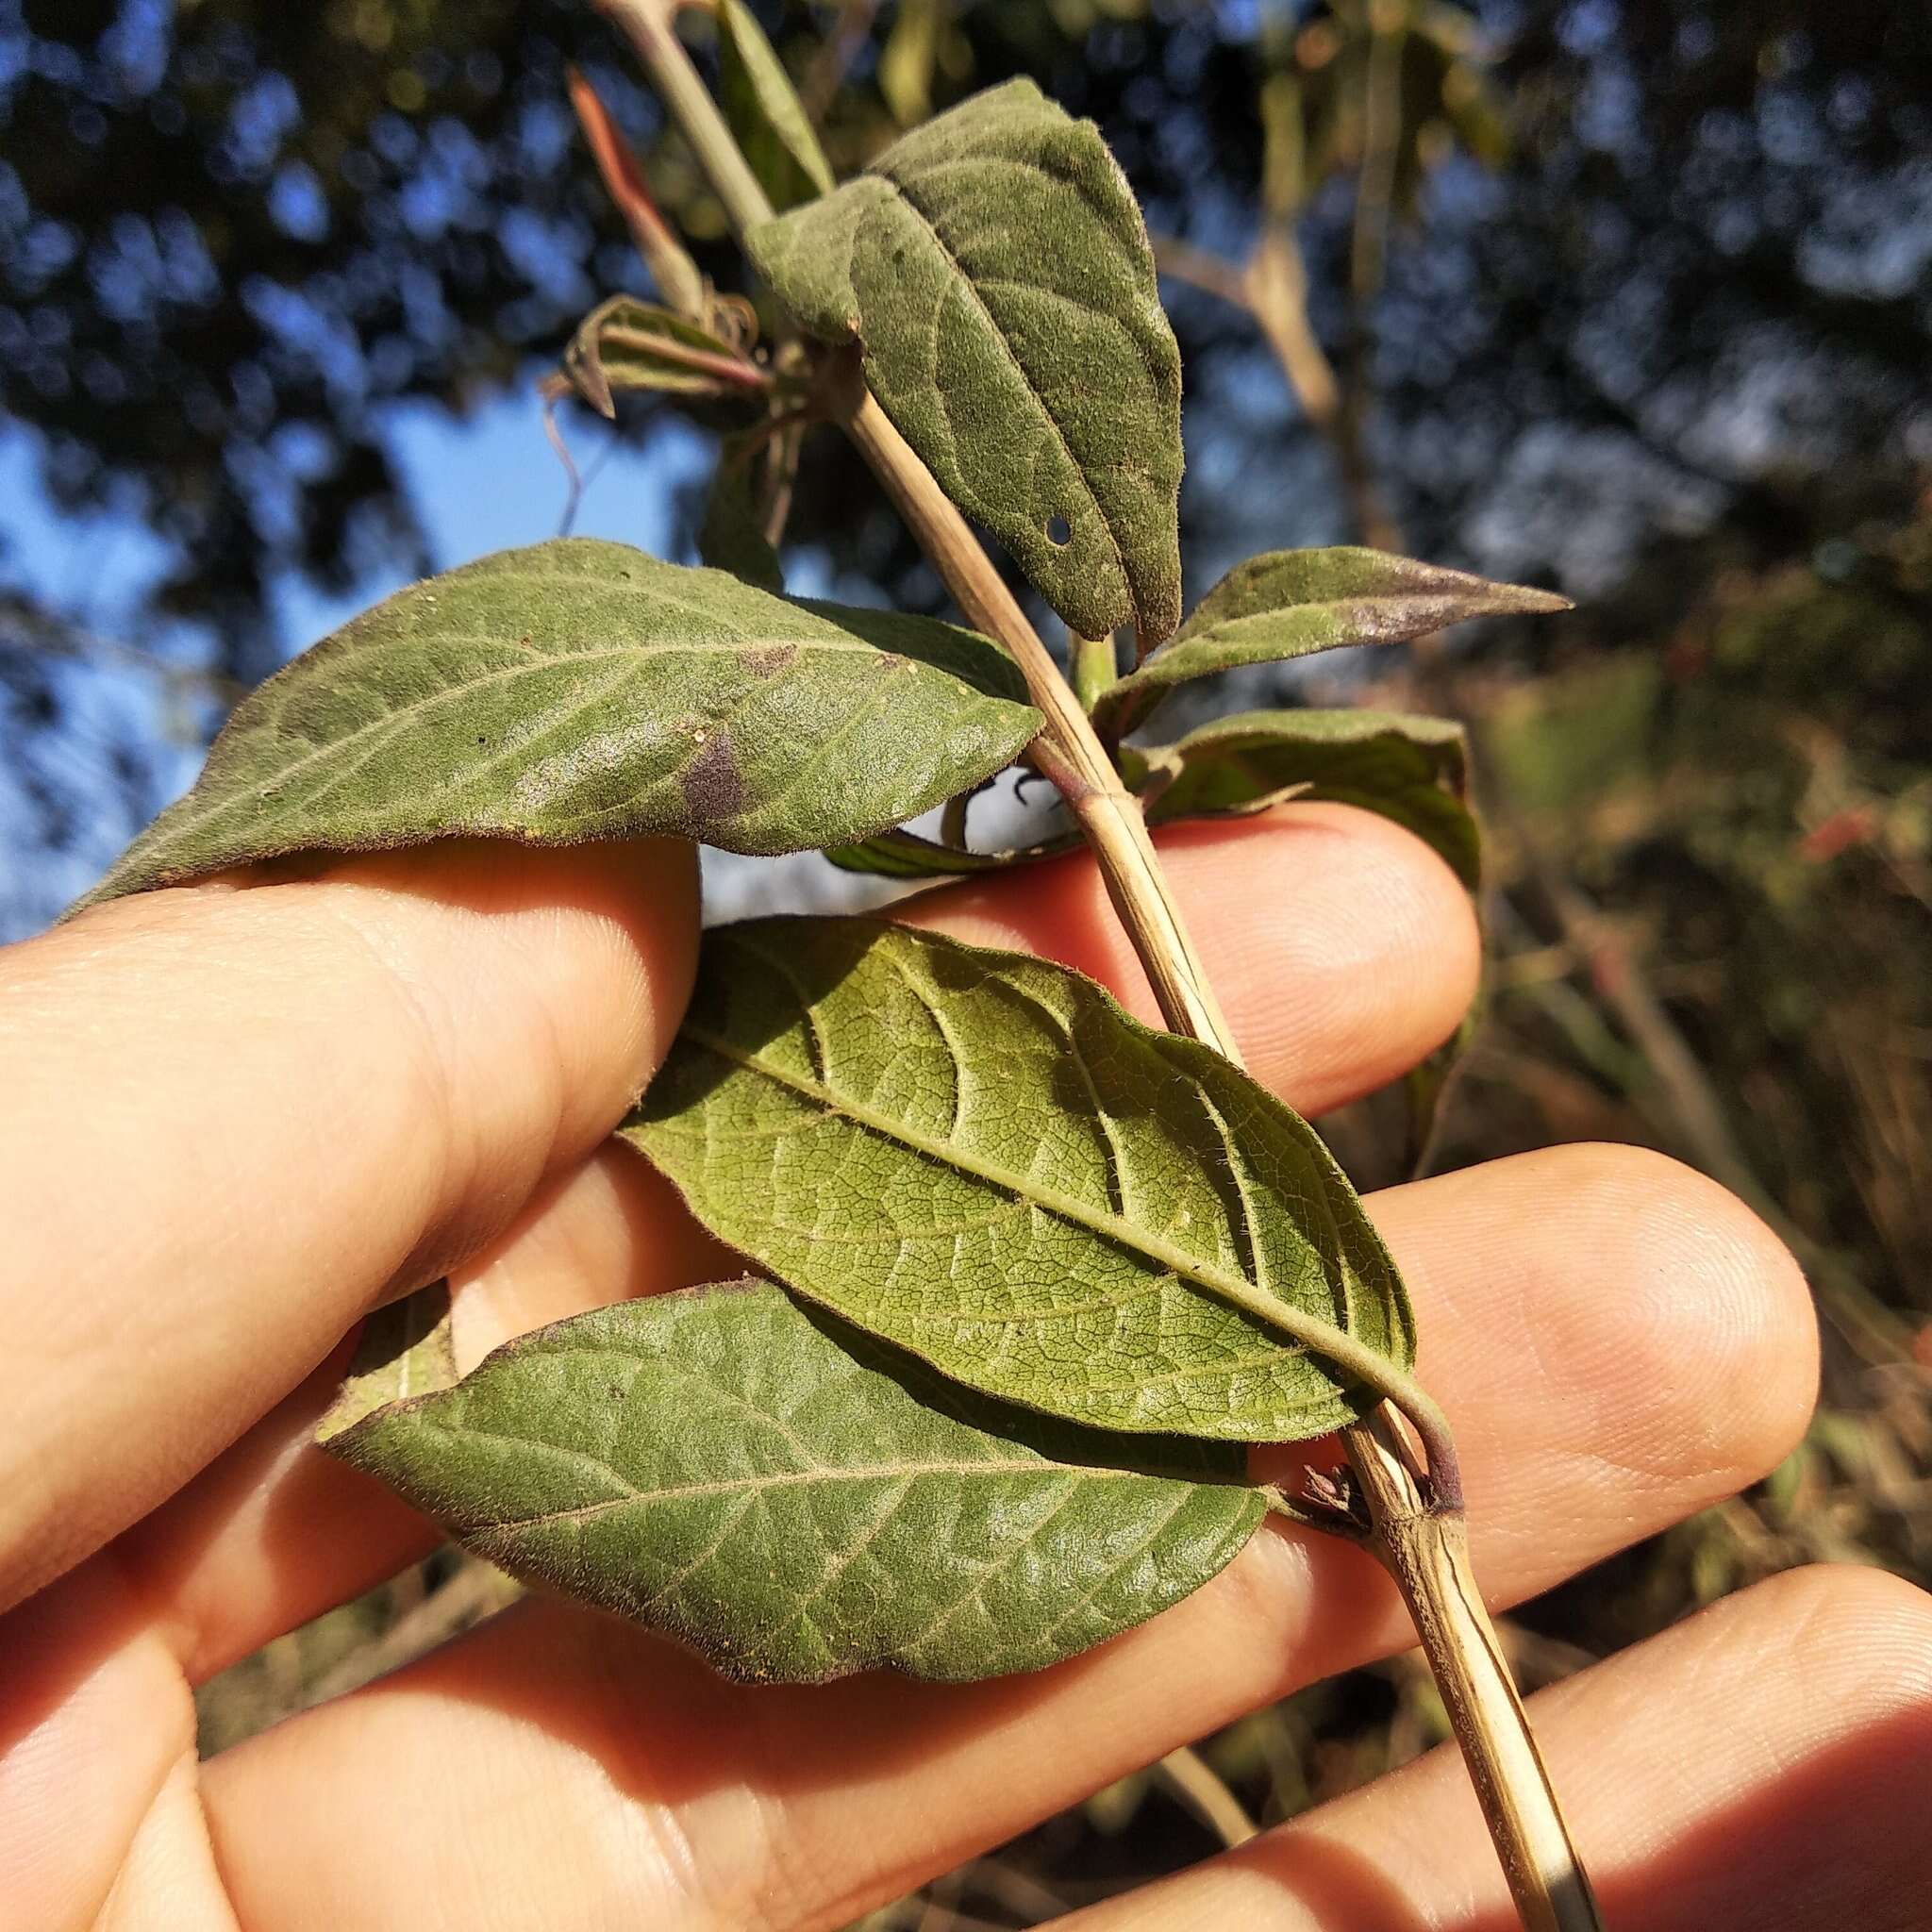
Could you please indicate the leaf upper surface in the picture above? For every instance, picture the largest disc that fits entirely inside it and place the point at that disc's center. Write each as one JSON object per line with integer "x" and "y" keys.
{"x": 1292, "y": 603}
{"x": 581, "y": 689}
{"x": 994, "y": 268}
{"x": 981, "y": 1157}
{"x": 797, "y": 1502}
{"x": 1408, "y": 768}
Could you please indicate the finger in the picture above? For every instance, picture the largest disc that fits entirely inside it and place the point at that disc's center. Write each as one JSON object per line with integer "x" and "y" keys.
{"x": 1617, "y": 1341}
{"x": 235, "y": 1117}
{"x": 1767, "y": 1765}
{"x": 1359, "y": 961}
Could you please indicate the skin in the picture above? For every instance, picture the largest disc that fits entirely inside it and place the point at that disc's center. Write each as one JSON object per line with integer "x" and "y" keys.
{"x": 235, "y": 1117}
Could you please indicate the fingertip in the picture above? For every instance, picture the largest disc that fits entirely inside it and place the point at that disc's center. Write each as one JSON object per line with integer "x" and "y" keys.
{"x": 1346, "y": 950}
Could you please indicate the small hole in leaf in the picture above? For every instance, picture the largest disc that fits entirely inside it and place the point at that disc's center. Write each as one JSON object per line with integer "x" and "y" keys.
{"x": 1058, "y": 531}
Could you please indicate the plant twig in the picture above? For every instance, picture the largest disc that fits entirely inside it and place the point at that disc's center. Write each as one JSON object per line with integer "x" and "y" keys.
{"x": 1195, "y": 1782}
{"x": 676, "y": 273}
{"x": 835, "y": 57}
{"x": 1416, "y": 1512}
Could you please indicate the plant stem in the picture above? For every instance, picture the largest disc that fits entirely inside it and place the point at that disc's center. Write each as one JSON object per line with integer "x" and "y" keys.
{"x": 1420, "y": 1530}
{"x": 1095, "y": 668}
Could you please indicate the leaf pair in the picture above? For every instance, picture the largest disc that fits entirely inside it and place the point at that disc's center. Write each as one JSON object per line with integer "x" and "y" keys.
{"x": 979, "y": 1160}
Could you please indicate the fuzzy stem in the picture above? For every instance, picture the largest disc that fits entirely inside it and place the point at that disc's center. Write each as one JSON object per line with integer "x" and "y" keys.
{"x": 1420, "y": 1532}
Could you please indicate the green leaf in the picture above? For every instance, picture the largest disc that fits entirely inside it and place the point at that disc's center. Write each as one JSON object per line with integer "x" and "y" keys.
{"x": 902, "y": 854}
{"x": 994, "y": 268}
{"x": 627, "y": 344}
{"x": 404, "y": 1351}
{"x": 1409, "y": 769}
{"x": 729, "y": 538}
{"x": 1292, "y": 603}
{"x": 796, "y": 1502}
{"x": 581, "y": 689}
{"x": 763, "y": 110}
{"x": 981, "y": 1157}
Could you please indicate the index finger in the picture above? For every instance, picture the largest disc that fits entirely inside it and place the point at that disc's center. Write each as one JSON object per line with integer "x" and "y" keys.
{"x": 235, "y": 1118}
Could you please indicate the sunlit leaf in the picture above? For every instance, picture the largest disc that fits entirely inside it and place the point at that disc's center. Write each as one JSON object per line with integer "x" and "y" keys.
{"x": 1292, "y": 603}
{"x": 764, "y": 112}
{"x": 994, "y": 268}
{"x": 581, "y": 689}
{"x": 796, "y": 1502}
{"x": 981, "y": 1157}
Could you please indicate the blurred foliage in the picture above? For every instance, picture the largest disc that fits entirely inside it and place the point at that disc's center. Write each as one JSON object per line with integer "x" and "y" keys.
{"x": 1630, "y": 295}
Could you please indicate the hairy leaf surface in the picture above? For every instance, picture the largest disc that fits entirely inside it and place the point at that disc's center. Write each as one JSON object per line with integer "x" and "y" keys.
{"x": 1411, "y": 769}
{"x": 581, "y": 689}
{"x": 797, "y": 1502}
{"x": 1292, "y": 603}
{"x": 981, "y": 1157}
{"x": 763, "y": 110}
{"x": 995, "y": 271}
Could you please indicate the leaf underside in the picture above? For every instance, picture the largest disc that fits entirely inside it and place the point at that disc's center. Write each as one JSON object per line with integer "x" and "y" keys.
{"x": 581, "y": 689}
{"x": 994, "y": 268}
{"x": 796, "y": 1502}
{"x": 981, "y": 1157}
{"x": 404, "y": 1351}
{"x": 1404, "y": 766}
{"x": 1292, "y": 603}
{"x": 902, "y": 854}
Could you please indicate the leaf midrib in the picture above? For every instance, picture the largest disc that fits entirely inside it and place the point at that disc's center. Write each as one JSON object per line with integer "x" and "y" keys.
{"x": 453, "y": 692}
{"x": 992, "y": 321}
{"x": 1264, "y": 1305}
{"x": 990, "y": 1468}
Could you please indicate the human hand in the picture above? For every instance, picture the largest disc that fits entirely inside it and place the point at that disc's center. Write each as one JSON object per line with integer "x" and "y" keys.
{"x": 235, "y": 1118}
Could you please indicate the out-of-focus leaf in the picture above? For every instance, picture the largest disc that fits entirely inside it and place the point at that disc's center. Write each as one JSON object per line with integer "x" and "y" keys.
{"x": 404, "y": 1351}
{"x": 1413, "y": 770}
{"x": 979, "y": 1157}
{"x": 994, "y": 268}
{"x": 627, "y": 344}
{"x": 796, "y": 1502}
{"x": 581, "y": 689}
{"x": 763, "y": 110}
{"x": 729, "y": 537}
{"x": 1292, "y": 603}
